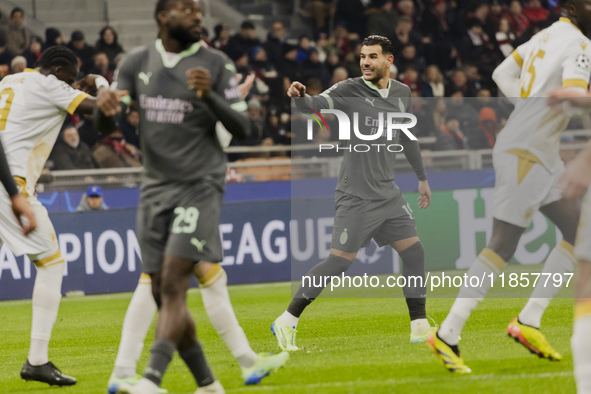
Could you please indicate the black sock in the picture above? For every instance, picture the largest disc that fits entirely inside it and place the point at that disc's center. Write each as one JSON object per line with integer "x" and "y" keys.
{"x": 415, "y": 291}
{"x": 195, "y": 360}
{"x": 332, "y": 266}
{"x": 160, "y": 356}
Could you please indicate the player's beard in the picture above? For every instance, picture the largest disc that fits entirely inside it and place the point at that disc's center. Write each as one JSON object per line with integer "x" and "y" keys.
{"x": 184, "y": 36}
{"x": 379, "y": 74}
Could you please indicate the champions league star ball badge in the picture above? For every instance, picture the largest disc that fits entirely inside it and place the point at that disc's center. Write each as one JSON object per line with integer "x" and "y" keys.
{"x": 369, "y": 258}
{"x": 583, "y": 61}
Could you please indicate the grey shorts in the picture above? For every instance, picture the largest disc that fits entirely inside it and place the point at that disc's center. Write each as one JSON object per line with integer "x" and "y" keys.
{"x": 181, "y": 221}
{"x": 357, "y": 221}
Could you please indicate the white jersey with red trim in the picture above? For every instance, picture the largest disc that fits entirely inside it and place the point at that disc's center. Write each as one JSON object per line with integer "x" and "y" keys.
{"x": 559, "y": 56}
{"x": 33, "y": 107}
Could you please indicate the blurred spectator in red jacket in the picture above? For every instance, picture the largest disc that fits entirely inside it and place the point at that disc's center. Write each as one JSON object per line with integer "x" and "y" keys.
{"x": 535, "y": 12}
{"x": 33, "y": 53}
{"x": 519, "y": 22}
{"x": 115, "y": 152}
{"x": 489, "y": 127}
{"x": 340, "y": 41}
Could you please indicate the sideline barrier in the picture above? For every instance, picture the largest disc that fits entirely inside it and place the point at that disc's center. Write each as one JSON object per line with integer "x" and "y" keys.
{"x": 103, "y": 254}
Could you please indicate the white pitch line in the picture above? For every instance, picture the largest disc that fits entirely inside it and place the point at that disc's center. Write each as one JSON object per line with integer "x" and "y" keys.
{"x": 112, "y": 296}
{"x": 394, "y": 382}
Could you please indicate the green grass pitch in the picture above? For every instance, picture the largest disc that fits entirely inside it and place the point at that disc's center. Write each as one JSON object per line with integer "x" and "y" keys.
{"x": 350, "y": 346}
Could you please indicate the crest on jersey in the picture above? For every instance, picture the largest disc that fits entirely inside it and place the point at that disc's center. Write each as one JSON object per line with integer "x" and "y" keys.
{"x": 344, "y": 237}
{"x": 583, "y": 61}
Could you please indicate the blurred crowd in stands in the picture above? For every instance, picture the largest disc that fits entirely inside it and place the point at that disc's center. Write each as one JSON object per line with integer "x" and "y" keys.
{"x": 442, "y": 49}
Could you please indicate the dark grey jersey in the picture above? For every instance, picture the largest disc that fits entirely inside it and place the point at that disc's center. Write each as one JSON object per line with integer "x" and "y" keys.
{"x": 370, "y": 174}
{"x": 177, "y": 129}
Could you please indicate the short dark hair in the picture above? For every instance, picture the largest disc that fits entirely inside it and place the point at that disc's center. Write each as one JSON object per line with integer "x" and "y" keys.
{"x": 15, "y": 10}
{"x": 382, "y": 41}
{"x": 58, "y": 55}
{"x": 68, "y": 125}
{"x": 161, "y": 5}
{"x": 247, "y": 25}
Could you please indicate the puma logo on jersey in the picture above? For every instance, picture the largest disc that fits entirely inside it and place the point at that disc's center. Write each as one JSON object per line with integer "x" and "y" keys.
{"x": 145, "y": 77}
{"x": 370, "y": 101}
{"x": 198, "y": 244}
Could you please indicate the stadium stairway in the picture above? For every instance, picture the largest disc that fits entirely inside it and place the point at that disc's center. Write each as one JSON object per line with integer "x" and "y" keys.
{"x": 265, "y": 12}
{"x": 132, "y": 19}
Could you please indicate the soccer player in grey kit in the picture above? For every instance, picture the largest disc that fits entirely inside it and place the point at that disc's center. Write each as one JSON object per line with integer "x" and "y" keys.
{"x": 183, "y": 89}
{"x": 368, "y": 202}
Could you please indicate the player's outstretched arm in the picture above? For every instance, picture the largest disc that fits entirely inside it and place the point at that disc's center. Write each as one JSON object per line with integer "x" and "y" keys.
{"x": 424, "y": 194}
{"x": 304, "y": 100}
{"x": 108, "y": 109}
{"x": 575, "y": 97}
{"x": 296, "y": 89}
{"x": 237, "y": 123}
{"x": 107, "y": 105}
{"x": 20, "y": 205}
{"x": 107, "y": 100}
{"x": 412, "y": 151}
